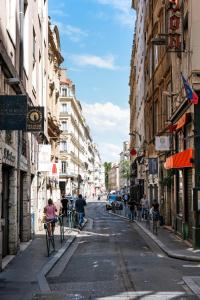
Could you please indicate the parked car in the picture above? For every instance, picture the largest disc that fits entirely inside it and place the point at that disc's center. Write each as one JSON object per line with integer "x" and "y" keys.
{"x": 113, "y": 202}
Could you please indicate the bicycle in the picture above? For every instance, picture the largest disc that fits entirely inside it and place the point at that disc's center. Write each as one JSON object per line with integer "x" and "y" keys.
{"x": 50, "y": 243}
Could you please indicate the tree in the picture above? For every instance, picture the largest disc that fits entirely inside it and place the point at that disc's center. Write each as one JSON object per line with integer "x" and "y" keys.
{"x": 125, "y": 169}
{"x": 107, "y": 167}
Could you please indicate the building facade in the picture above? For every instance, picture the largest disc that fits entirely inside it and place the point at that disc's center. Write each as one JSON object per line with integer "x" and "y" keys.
{"x": 171, "y": 121}
{"x": 113, "y": 178}
{"x": 23, "y": 55}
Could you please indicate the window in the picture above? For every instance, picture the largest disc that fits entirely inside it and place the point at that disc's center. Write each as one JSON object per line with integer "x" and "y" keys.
{"x": 64, "y": 92}
{"x": 64, "y": 167}
{"x": 63, "y": 146}
{"x": 64, "y": 107}
{"x": 64, "y": 126}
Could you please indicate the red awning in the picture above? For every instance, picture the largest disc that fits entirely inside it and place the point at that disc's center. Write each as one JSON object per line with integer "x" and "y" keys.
{"x": 180, "y": 160}
{"x": 183, "y": 120}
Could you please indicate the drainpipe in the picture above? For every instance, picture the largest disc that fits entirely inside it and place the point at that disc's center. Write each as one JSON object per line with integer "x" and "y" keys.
{"x": 19, "y": 133}
{"x": 21, "y": 34}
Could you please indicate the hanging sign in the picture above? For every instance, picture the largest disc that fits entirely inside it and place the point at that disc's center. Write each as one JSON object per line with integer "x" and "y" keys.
{"x": 44, "y": 158}
{"x": 153, "y": 166}
{"x": 162, "y": 143}
{"x": 13, "y": 111}
{"x": 35, "y": 119}
{"x": 174, "y": 26}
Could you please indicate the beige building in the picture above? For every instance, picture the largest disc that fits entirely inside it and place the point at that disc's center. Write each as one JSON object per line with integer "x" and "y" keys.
{"x": 113, "y": 178}
{"x": 23, "y": 56}
{"x": 171, "y": 122}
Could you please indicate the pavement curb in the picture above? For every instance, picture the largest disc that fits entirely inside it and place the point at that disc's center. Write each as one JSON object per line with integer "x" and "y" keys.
{"x": 161, "y": 245}
{"x": 41, "y": 277}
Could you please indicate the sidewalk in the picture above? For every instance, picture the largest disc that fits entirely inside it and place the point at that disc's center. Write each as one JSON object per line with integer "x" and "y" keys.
{"x": 25, "y": 274}
{"x": 173, "y": 246}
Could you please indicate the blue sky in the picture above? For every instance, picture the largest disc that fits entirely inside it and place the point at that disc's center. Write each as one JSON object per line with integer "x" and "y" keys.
{"x": 96, "y": 41}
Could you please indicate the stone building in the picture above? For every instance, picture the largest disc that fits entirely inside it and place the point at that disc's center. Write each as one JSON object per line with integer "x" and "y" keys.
{"x": 113, "y": 178}
{"x": 171, "y": 121}
{"x": 79, "y": 156}
{"x": 124, "y": 165}
{"x": 23, "y": 69}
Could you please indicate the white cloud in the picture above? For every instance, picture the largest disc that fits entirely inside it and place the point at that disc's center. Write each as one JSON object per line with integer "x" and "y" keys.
{"x": 75, "y": 34}
{"x": 58, "y": 12}
{"x": 109, "y": 125}
{"x": 107, "y": 62}
{"x": 122, "y": 8}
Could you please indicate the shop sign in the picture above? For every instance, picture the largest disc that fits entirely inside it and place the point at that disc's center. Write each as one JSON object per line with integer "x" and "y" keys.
{"x": 162, "y": 143}
{"x": 35, "y": 119}
{"x": 153, "y": 166}
{"x": 13, "y": 111}
{"x": 174, "y": 26}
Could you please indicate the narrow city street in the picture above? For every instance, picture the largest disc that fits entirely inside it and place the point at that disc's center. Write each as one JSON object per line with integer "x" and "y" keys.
{"x": 113, "y": 259}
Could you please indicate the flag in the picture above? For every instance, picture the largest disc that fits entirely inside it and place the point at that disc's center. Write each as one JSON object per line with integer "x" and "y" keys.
{"x": 190, "y": 93}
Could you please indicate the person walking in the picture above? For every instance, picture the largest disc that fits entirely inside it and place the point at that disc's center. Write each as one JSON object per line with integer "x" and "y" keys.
{"x": 79, "y": 206}
{"x": 50, "y": 216}
{"x": 133, "y": 209}
{"x": 145, "y": 206}
{"x": 64, "y": 202}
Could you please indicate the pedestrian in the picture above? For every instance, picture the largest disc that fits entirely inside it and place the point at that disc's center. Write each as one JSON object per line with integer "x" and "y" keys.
{"x": 155, "y": 210}
{"x": 64, "y": 202}
{"x": 132, "y": 207}
{"x": 145, "y": 205}
{"x": 126, "y": 198}
{"x": 139, "y": 212}
{"x": 50, "y": 216}
{"x": 80, "y": 209}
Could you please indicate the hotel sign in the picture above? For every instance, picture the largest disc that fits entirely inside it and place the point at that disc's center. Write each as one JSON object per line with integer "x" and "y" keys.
{"x": 13, "y": 111}
{"x": 174, "y": 26}
{"x": 16, "y": 115}
{"x": 35, "y": 119}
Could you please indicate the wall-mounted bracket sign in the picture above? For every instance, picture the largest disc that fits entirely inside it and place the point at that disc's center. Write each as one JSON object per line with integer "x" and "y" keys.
{"x": 35, "y": 119}
{"x": 13, "y": 111}
{"x": 174, "y": 26}
{"x": 16, "y": 115}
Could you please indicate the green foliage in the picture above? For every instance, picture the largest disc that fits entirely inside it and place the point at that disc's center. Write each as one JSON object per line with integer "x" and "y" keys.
{"x": 168, "y": 180}
{"x": 107, "y": 166}
{"x": 125, "y": 169}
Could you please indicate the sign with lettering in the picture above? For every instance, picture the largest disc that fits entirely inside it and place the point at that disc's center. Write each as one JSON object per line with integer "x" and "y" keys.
{"x": 174, "y": 26}
{"x": 13, "y": 110}
{"x": 35, "y": 119}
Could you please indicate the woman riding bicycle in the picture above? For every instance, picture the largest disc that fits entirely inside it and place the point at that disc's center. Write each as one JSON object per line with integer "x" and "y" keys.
{"x": 50, "y": 216}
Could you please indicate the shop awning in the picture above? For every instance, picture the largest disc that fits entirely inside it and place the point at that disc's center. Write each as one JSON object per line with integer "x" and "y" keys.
{"x": 180, "y": 160}
{"x": 183, "y": 120}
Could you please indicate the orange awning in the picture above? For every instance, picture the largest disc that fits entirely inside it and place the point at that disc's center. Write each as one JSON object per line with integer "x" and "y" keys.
{"x": 183, "y": 120}
{"x": 180, "y": 160}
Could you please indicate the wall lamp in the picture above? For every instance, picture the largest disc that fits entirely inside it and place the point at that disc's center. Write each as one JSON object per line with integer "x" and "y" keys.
{"x": 134, "y": 133}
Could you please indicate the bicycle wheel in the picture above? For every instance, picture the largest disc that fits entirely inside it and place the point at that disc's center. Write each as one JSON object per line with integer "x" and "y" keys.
{"x": 47, "y": 243}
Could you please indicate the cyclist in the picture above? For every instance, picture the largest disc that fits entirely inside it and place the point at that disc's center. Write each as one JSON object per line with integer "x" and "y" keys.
{"x": 50, "y": 216}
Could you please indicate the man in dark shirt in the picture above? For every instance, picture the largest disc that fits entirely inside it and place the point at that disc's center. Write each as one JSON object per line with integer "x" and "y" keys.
{"x": 64, "y": 202}
{"x": 79, "y": 206}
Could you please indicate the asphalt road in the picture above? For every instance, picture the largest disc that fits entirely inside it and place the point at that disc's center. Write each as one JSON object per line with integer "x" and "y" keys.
{"x": 113, "y": 259}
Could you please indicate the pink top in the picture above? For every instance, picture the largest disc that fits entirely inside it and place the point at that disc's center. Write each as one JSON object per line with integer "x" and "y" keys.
{"x": 50, "y": 211}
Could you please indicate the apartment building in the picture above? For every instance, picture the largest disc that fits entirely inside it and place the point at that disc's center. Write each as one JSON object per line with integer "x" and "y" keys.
{"x": 23, "y": 69}
{"x": 113, "y": 178}
{"x": 124, "y": 169}
{"x": 171, "y": 121}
